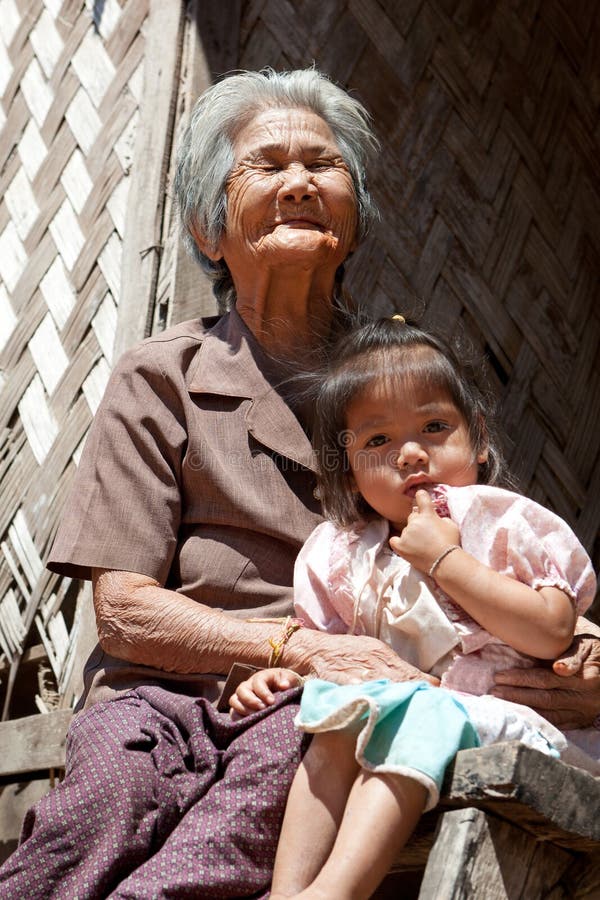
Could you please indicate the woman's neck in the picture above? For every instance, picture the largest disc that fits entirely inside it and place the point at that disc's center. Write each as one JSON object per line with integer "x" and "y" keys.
{"x": 288, "y": 311}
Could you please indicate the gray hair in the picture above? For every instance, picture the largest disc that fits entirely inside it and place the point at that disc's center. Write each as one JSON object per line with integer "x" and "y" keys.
{"x": 205, "y": 157}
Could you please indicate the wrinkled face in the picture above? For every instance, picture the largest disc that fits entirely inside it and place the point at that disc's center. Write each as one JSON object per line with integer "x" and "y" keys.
{"x": 290, "y": 195}
{"x": 399, "y": 441}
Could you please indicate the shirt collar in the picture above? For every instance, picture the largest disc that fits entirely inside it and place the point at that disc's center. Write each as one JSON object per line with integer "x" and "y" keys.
{"x": 228, "y": 364}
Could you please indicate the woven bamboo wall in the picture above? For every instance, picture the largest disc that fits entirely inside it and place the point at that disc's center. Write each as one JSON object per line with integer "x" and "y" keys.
{"x": 490, "y": 199}
{"x": 489, "y": 187}
{"x": 70, "y": 82}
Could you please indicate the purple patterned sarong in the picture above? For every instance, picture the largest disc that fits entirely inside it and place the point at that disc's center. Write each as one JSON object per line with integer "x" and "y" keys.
{"x": 163, "y": 797}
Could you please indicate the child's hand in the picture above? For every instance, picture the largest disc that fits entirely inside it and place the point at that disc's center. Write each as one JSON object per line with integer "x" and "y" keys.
{"x": 425, "y": 534}
{"x": 256, "y": 693}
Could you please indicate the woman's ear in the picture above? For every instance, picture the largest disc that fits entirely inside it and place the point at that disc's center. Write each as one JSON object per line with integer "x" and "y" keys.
{"x": 204, "y": 246}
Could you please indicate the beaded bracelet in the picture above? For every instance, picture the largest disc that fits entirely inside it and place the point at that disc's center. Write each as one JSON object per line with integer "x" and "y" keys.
{"x": 442, "y": 556}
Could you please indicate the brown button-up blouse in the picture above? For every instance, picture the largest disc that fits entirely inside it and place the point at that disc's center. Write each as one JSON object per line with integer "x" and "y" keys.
{"x": 197, "y": 473}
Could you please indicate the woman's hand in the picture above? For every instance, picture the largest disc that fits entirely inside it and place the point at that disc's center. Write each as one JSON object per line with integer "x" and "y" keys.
{"x": 256, "y": 692}
{"x": 425, "y": 534}
{"x": 568, "y": 694}
{"x": 349, "y": 658}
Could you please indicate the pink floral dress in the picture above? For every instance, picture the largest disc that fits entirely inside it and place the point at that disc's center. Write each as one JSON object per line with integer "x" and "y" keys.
{"x": 348, "y": 580}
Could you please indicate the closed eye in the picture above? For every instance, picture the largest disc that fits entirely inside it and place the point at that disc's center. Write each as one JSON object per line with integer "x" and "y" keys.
{"x": 263, "y": 162}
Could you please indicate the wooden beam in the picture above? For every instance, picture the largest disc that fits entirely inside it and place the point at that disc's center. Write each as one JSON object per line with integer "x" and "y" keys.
{"x": 31, "y": 657}
{"x": 544, "y": 796}
{"x": 475, "y": 855}
{"x": 34, "y": 743}
{"x": 547, "y": 799}
{"x": 191, "y": 292}
{"x": 145, "y": 202}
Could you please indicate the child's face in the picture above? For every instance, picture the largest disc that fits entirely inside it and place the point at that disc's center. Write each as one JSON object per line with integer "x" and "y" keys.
{"x": 400, "y": 441}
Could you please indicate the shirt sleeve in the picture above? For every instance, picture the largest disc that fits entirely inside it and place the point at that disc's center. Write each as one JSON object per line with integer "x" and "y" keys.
{"x": 524, "y": 540}
{"x": 125, "y": 503}
{"x": 312, "y": 590}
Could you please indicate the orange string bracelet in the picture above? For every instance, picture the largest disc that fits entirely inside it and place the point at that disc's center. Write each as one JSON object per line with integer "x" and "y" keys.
{"x": 290, "y": 625}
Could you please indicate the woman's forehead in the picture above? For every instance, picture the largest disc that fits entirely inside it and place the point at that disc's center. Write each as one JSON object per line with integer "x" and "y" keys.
{"x": 279, "y": 129}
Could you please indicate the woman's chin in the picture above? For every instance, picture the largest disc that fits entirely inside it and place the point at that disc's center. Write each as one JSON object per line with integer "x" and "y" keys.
{"x": 302, "y": 247}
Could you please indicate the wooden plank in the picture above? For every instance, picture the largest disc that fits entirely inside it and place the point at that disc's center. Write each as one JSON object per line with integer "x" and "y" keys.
{"x": 143, "y": 228}
{"x": 34, "y": 742}
{"x": 191, "y": 293}
{"x": 477, "y": 856}
{"x": 71, "y": 687}
{"x": 33, "y": 656}
{"x": 540, "y": 794}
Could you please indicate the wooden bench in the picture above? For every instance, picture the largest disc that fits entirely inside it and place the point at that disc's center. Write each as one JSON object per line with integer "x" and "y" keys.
{"x": 512, "y": 822}
{"x": 32, "y": 755}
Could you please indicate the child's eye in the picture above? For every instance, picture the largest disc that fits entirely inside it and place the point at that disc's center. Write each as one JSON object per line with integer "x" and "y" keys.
{"x": 377, "y": 440}
{"x": 435, "y": 427}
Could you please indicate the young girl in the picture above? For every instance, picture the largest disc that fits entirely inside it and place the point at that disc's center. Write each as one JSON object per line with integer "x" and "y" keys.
{"x": 461, "y": 578}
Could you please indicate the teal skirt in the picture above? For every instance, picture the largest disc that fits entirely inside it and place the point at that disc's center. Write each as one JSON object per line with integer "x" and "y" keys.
{"x": 406, "y": 728}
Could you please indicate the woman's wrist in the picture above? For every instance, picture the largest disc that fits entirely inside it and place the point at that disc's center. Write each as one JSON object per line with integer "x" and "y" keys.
{"x": 300, "y": 650}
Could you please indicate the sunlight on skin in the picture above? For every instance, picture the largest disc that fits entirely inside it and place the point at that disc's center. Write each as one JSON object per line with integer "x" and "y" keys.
{"x": 291, "y": 222}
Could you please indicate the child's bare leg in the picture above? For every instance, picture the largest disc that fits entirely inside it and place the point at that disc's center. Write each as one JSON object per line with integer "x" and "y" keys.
{"x": 380, "y": 816}
{"x": 314, "y": 811}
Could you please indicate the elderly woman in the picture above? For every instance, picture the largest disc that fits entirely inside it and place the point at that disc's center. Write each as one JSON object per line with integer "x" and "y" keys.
{"x": 193, "y": 497}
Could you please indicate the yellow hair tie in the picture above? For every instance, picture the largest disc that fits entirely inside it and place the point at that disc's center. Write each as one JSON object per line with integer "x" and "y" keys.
{"x": 399, "y": 318}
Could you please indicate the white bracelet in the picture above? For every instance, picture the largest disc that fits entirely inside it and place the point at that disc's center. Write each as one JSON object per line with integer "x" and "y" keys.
{"x": 442, "y": 556}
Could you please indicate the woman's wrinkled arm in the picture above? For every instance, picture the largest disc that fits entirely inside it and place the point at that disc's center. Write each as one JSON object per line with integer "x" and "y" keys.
{"x": 144, "y": 623}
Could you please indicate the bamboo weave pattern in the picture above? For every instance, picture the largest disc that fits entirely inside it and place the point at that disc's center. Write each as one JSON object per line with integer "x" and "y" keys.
{"x": 70, "y": 82}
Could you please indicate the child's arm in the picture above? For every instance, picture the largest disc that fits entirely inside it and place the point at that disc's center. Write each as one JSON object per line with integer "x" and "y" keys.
{"x": 537, "y": 622}
{"x": 257, "y": 691}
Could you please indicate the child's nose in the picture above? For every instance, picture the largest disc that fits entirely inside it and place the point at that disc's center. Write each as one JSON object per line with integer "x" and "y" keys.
{"x": 411, "y": 453}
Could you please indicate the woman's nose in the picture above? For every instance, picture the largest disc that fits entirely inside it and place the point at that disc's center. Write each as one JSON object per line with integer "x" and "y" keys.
{"x": 297, "y": 185}
{"x": 410, "y": 454}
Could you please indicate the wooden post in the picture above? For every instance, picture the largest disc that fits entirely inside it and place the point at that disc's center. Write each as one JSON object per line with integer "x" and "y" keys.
{"x": 145, "y": 204}
{"x": 476, "y": 855}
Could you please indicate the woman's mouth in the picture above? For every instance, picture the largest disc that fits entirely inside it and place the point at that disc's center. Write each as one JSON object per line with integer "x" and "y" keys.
{"x": 302, "y": 223}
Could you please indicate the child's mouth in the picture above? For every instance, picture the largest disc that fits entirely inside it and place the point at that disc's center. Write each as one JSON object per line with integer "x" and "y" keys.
{"x": 412, "y": 489}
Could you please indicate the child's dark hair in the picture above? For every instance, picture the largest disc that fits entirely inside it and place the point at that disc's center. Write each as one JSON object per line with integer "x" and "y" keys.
{"x": 401, "y": 349}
